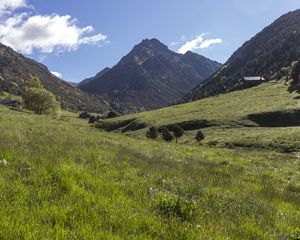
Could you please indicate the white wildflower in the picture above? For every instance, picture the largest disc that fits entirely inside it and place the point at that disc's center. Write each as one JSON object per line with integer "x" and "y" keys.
{"x": 3, "y": 162}
{"x": 153, "y": 191}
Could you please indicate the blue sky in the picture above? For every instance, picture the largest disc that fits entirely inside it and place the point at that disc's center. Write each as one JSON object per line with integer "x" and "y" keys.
{"x": 98, "y": 33}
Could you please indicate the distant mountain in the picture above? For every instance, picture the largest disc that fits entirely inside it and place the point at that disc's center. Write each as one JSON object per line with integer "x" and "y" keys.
{"x": 16, "y": 72}
{"x": 275, "y": 47}
{"x": 150, "y": 76}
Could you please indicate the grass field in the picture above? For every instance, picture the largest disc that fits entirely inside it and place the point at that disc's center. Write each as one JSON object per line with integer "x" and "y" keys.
{"x": 66, "y": 180}
{"x": 226, "y": 119}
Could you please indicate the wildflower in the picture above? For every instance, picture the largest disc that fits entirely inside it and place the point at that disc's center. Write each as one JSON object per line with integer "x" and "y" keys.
{"x": 3, "y": 162}
{"x": 153, "y": 191}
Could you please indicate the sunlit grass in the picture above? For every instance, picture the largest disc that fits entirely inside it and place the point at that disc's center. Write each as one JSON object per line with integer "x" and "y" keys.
{"x": 66, "y": 180}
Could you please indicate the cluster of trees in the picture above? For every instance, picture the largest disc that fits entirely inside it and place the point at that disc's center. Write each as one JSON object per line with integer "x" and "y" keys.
{"x": 169, "y": 133}
{"x": 38, "y": 99}
{"x": 96, "y": 118}
{"x": 295, "y": 72}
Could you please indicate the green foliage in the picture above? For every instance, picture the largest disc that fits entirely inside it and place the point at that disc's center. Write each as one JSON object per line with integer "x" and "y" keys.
{"x": 178, "y": 131}
{"x": 227, "y": 120}
{"x": 112, "y": 114}
{"x": 167, "y": 135}
{"x": 40, "y": 101}
{"x": 295, "y": 72}
{"x": 199, "y": 136}
{"x": 19, "y": 73}
{"x": 34, "y": 82}
{"x": 66, "y": 180}
{"x": 174, "y": 206}
{"x": 275, "y": 47}
{"x": 94, "y": 119}
{"x": 152, "y": 133}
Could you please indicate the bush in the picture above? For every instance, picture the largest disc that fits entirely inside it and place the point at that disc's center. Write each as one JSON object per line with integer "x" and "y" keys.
{"x": 199, "y": 136}
{"x": 172, "y": 206}
{"x": 152, "y": 133}
{"x": 34, "y": 82}
{"x": 40, "y": 101}
{"x": 167, "y": 135}
{"x": 295, "y": 72}
{"x": 178, "y": 131}
{"x": 84, "y": 115}
{"x": 112, "y": 114}
{"x": 93, "y": 119}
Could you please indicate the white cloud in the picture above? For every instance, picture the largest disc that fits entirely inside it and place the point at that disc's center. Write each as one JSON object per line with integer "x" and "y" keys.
{"x": 93, "y": 39}
{"x": 199, "y": 42}
{"x": 172, "y": 44}
{"x": 10, "y": 5}
{"x": 57, "y": 74}
{"x": 45, "y": 34}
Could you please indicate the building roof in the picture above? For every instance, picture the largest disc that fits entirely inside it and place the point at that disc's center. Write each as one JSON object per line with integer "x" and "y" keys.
{"x": 256, "y": 78}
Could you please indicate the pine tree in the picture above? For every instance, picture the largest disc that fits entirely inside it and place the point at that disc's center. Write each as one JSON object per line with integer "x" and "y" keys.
{"x": 152, "y": 133}
{"x": 178, "y": 132}
{"x": 295, "y": 73}
{"x": 167, "y": 135}
{"x": 199, "y": 136}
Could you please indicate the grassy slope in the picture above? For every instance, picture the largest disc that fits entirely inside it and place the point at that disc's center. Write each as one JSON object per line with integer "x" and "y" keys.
{"x": 66, "y": 180}
{"x": 229, "y": 113}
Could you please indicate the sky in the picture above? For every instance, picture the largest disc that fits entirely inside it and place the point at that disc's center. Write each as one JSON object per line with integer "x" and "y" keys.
{"x": 77, "y": 39}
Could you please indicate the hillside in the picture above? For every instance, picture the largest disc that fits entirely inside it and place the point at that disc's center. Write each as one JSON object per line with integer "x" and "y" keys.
{"x": 95, "y": 185}
{"x": 16, "y": 72}
{"x": 266, "y": 116}
{"x": 150, "y": 76}
{"x": 275, "y": 47}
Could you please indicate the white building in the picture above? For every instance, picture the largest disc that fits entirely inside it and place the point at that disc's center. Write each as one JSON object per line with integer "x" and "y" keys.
{"x": 256, "y": 78}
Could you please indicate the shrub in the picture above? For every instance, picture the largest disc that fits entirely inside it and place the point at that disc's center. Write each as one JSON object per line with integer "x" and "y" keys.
{"x": 40, "y": 101}
{"x": 167, "y": 135}
{"x": 93, "y": 119}
{"x": 84, "y": 115}
{"x": 295, "y": 72}
{"x": 112, "y": 114}
{"x": 172, "y": 206}
{"x": 178, "y": 132}
{"x": 199, "y": 136}
{"x": 152, "y": 133}
{"x": 34, "y": 82}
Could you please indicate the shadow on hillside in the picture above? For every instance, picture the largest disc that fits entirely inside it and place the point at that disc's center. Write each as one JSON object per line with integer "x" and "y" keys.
{"x": 277, "y": 119}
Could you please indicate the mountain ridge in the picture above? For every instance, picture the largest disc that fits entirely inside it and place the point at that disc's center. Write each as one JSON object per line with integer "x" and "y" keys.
{"x": 17, "y": 70}
{"x": 273, "y": 48}
{"x": 150, "y": 76}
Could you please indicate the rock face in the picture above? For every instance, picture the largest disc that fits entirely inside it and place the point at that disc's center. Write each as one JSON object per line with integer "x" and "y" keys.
{"x": 16, "y": 72}
{"x": 275, "y": 47}
{"x": 150, "y": 76}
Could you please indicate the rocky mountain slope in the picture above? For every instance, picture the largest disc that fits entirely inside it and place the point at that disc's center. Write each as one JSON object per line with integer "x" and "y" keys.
{"x": 16, "y": 72}
{"x": 275, "y": 47}
{"x": 150, "y": 76}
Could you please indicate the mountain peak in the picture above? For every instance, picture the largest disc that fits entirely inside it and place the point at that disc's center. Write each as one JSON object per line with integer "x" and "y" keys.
{"x": 190, "y": 53}
{"x": 146, "y": 49}
{"x": 150, "y": 76}
{"x": 151, "y": 42}
{"x": 151, "y": 45}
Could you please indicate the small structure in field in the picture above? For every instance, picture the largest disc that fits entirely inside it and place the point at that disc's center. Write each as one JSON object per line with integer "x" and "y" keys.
{"x": 255, "y": 78}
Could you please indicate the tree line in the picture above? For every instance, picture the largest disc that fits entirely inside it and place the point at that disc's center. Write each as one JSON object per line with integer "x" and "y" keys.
{"x": 170, "y": 133}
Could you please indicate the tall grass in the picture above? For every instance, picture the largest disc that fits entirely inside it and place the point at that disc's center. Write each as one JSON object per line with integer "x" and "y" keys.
{"x": 66, "y": 180}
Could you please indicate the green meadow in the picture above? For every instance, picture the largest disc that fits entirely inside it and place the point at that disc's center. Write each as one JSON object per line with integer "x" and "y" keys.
{"x": 63, "y": 179}
{"x": 226, "y": 120}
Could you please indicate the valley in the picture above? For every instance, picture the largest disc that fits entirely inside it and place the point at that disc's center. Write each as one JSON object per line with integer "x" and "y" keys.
{"x": 163, "y": 143}
{"x": 229, "y": 120}
{"x": 71, "y": 181}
